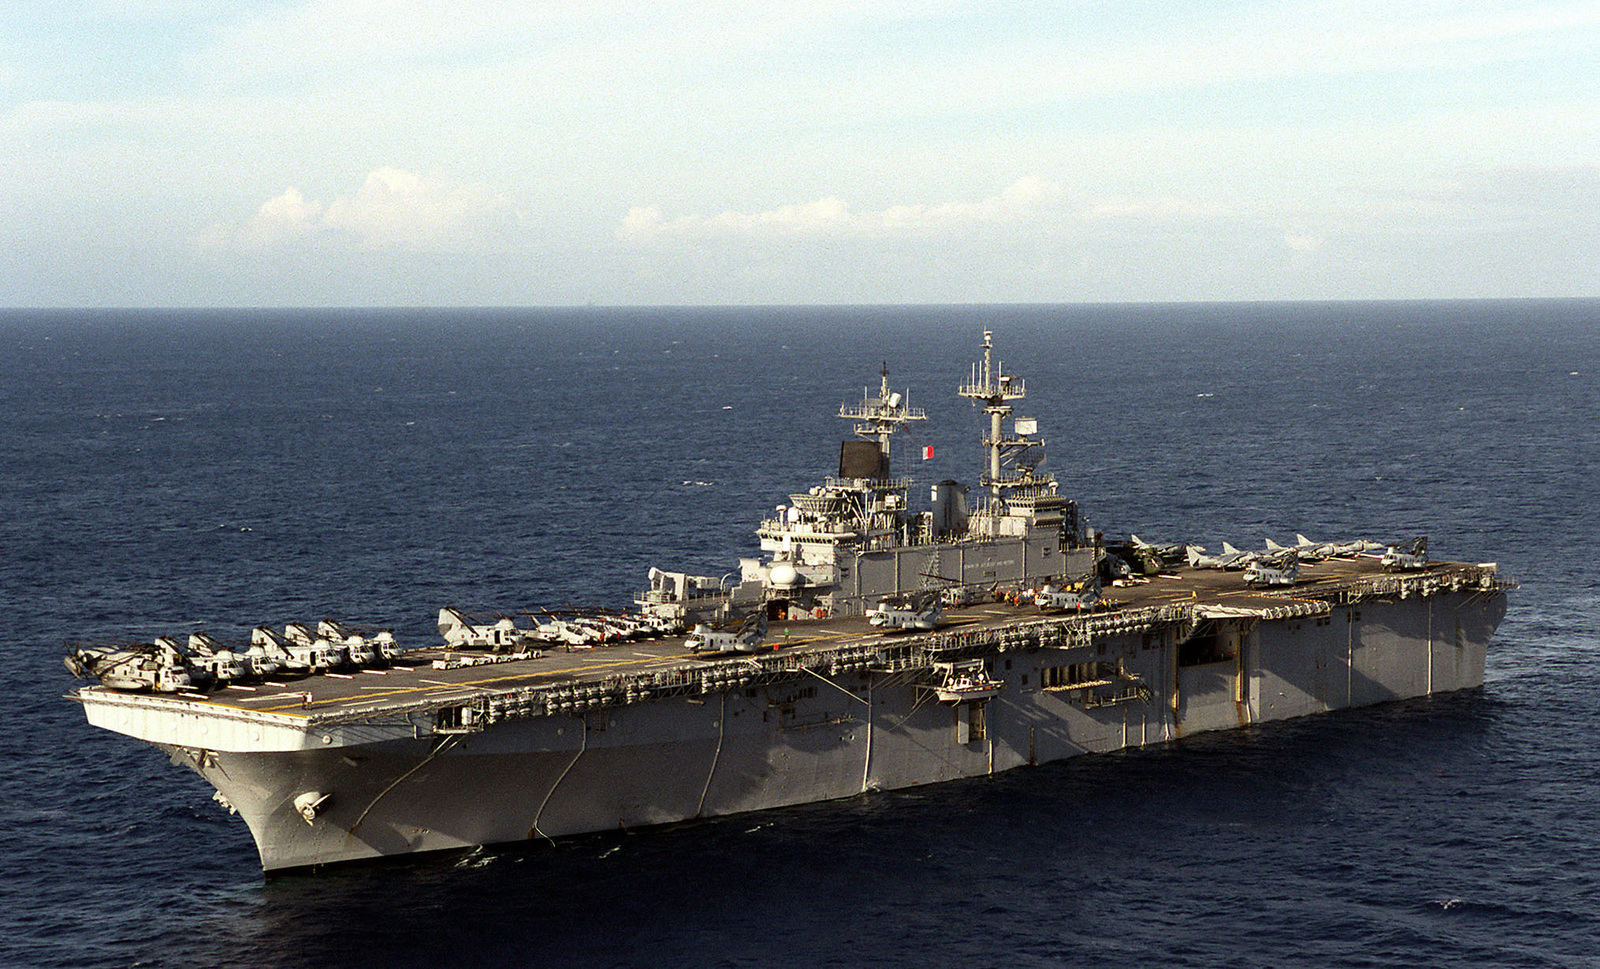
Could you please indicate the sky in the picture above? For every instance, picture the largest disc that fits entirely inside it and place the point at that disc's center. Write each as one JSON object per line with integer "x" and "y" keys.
{"x": 417, "y": 153}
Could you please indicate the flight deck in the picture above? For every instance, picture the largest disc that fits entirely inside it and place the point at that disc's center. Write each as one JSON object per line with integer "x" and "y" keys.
{"x": 436, "y": 676}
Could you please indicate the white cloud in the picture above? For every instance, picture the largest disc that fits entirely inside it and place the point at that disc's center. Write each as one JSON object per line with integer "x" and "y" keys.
{"x": 392, "y": 210}
{"x": 1030, "y": 204}
{"x": 788, "y": 141}
{"x": 288, "y": 216}
{"x": 1028, "y": 200}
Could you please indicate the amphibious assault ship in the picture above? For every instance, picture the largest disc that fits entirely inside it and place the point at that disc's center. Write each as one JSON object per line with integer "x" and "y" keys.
{"x": 873, "y": 646}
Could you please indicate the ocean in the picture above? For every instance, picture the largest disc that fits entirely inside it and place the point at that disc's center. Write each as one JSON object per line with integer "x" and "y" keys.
{"x": 167, "y": 471}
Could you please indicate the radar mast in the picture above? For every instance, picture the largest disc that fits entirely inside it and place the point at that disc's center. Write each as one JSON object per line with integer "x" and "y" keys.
{"x": 878, "y": 418}
{"x": 990, "y": 386}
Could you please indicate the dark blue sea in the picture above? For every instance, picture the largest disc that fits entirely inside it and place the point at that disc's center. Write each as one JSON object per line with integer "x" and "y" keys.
{"x": 162, "y": 472}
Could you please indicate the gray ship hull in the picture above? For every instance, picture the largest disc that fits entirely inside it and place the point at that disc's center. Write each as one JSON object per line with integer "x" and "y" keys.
{"x": 825, "y": 735}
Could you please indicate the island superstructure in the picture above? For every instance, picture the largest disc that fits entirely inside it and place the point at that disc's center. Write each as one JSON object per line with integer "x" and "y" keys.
{"x": 838, "y": 548}
{"x": 918, "y": 646}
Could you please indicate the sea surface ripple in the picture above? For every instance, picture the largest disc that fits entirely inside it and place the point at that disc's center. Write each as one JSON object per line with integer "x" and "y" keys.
{"x": 170, "y": 471}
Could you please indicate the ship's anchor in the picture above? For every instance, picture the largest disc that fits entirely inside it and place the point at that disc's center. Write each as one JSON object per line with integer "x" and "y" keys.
{"x": 310, "y": 803}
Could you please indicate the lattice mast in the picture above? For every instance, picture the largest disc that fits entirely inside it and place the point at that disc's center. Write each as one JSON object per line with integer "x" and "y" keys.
{"x": 995, "y": 390}
{"x": 879, "y": 418}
